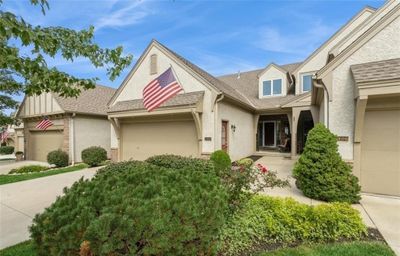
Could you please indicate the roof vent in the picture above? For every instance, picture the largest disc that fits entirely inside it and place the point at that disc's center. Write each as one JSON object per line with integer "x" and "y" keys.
{"x": 238, "y": 75}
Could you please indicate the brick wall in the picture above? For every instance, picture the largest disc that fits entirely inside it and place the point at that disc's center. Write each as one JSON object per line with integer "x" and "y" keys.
{"x": 65, "y": 146}
{"x": 114, "y": 154}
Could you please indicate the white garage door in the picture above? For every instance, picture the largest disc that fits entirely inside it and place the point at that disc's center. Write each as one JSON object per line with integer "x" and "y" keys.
{"x": 142, "y": 140}
{"x": 380, "y": 152}
{"x": 42, "y": 142}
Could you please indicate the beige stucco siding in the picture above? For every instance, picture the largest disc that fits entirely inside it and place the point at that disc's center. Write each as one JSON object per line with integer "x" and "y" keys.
{"x": 90, "y": 131}
{"x": 241, "y": 143}
{"x": 384, "y": 45}
{"x": 272, "y": 73}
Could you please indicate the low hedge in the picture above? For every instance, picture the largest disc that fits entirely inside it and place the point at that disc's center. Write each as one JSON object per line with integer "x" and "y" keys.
{"x": 94, "y": 156}
{"x": 6, "y": 150}
{"x": 58, "y": 157}
{"x": 29, "y": 168}
{"x": 179, "y": 162}
{"x": 268, "y": 220}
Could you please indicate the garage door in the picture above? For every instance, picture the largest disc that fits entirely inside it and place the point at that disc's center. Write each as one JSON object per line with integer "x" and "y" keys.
{"x": 380, "y": 152}
{"x": 42, "y": 142}
{"x": 142, "y": 140}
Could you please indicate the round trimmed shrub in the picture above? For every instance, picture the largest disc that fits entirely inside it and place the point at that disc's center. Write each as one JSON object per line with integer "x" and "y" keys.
{"x": 6, "y": 150}
{"x": 94, "y": 156}
{"x": 221, "y": 160}
{"x": 134, "y": 208}
{"x": 58, "y": 157}
{"x": 320, "y": 171}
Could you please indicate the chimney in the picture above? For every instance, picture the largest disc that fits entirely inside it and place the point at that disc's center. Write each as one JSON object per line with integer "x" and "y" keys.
{"x": 238, "y": 75}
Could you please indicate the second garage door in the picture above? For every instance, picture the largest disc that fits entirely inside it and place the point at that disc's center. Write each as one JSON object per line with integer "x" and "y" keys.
{"x": 380, "y": 152}
{"x": 144, "y": 139}
{"x": 42, "y": 142}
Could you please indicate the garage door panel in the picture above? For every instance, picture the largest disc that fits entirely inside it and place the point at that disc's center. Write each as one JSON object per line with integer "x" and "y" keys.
{"x": 142, "y": 140}
{"x": 42, "y": 142}
{"x": 389, "y": 158}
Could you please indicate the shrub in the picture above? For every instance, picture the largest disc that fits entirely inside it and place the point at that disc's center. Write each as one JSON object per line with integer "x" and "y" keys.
{"x": 320, "y": 171}
{"x": 6, "y": 150}
{"x": 19, "y": 153}
{"x": 134, "y": 208}
{"x": 248, "y": 162}
{"x": 221, "y": 160}
{"x": 94, "y": 156}
{"x": 179, "y": 162}
{"x": 29, "y": 168}
{"x": 58, "y": 157}
{"x": 267, "y": 220}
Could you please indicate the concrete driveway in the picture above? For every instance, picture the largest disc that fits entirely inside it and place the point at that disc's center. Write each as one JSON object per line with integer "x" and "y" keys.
{"x": 21, "y": 201}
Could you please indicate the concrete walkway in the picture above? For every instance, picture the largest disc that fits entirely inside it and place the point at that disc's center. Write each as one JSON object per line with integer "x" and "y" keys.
{"x": 377, "y": 211}
{"x": 21, "y": 201}
{"x": 9, "y": 165}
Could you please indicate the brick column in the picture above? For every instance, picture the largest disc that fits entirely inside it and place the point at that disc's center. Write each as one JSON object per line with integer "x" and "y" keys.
{"x": 65, "y": 146}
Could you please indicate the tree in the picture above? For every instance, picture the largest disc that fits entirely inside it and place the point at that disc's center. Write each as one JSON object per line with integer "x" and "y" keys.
{"x": 31, "y": 75}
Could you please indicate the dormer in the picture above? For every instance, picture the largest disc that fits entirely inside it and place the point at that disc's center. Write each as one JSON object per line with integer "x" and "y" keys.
{"x": 272, "y": 82}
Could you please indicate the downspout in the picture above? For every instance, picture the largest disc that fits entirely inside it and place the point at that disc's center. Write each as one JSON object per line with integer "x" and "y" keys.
{"x": 319, "y": 84}
{"x": 72, "y": 138}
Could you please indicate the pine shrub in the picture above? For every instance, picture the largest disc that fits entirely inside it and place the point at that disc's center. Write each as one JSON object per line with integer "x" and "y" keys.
{"x": 94, "y": 156}
{"x": 179, "y": 162}
{"x": 6, "y": 150}
{"x": 320, "y": 171}
{"x": 58, "y": 157}
{"x": 134, "y": 208}
{"x": 221, "y": 160}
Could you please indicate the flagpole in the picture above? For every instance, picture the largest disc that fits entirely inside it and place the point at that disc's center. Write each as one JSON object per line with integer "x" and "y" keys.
{"x": 177, "y": 78}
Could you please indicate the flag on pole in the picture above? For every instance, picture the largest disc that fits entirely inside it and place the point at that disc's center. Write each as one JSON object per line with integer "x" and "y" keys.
{"x": 160, "y": 90}
{"x": 4, "y": 136}
{"x": 44, "y": 124}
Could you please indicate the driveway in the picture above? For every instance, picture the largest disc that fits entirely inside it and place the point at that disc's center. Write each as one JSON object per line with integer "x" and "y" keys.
{"x": 377, "y": 211}
{"x": 21, "y": 201}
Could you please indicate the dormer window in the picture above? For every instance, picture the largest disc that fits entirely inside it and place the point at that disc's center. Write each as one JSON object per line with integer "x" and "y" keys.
{"x": 306, "y": 82}
{"x": 272, "y": 87}
{"x": 153, "y": 64}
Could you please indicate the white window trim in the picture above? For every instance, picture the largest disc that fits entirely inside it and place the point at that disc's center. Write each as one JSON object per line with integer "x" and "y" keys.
{"x": 301, "y": 80}
{"x": 264, "y": 122}
{"x": 272, "y": 88}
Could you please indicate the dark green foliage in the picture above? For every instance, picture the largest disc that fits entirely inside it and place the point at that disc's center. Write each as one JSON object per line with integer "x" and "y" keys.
{"x": 269, "y": 220}
{"x": 94, "y": 156}
{"x": 6, "y": 150}
{"x": 221, "y": 160}
{"x": 19, "y": 153}
{"x": 179, "y": 162}
{"x": 134, "y": 208}
{"x": 320, "y": 171}
{"x": 58, "y": 157}
{"x": 29, "y": 168}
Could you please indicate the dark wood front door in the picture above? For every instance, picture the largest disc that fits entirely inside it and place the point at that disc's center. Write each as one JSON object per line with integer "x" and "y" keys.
{"x": 269, "y": 134}
{"x": 224, "y": 136}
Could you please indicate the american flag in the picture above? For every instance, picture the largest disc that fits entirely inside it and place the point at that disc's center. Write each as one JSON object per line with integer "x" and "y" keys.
{"x": 4, "y": 136}
{"x": 160, "y": 90}
{"x": 44, "y": 124}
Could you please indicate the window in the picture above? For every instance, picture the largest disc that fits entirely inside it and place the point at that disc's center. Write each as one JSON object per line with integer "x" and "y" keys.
{"x": 306, "y": 83}
{"x": 272, "y": 87}
{"x": 153, "y": 64}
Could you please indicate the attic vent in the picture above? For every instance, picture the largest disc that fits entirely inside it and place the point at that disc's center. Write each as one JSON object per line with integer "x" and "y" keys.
{"x": 153, "y": 64}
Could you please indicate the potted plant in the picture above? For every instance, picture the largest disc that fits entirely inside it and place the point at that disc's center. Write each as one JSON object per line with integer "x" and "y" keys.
{"x": 19, "y": 155}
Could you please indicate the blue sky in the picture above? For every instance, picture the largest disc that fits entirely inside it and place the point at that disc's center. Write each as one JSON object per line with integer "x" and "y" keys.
{"x": 219, "y": 36}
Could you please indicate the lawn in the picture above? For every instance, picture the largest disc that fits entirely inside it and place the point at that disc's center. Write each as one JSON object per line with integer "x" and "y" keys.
{"x": 7, "y": 178}
{"x": 344, "y": 249}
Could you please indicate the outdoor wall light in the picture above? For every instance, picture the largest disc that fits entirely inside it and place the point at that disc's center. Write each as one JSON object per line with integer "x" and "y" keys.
{"x": 233, "y": 127}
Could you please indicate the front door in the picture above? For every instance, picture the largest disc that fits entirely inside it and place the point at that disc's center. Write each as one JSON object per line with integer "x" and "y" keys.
{"x": 224, "y": 136}
{"x": 269, "y": 134}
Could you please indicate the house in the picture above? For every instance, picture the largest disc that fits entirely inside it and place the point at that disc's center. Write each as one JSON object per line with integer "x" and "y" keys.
{"x": 351, "y": 84}
{"x": 78, "y": 123}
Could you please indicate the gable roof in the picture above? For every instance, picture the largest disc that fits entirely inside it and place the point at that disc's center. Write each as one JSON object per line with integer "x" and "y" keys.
{"x": 376, "y": 71}
{"x": 92, "y": 101}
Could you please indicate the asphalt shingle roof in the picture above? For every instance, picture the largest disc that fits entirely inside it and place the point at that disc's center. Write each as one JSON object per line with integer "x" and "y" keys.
{"x": 184, "y": 99}
{"x": 376, "y": 71}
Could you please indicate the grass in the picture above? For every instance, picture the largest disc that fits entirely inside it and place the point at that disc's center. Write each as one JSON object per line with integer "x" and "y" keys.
{"x": 7, "y": 178}
{"x": 339, "y": 249}
{"x": 21, "y": 249}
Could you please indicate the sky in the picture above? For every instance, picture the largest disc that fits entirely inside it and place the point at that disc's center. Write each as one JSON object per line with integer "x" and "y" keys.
{"x": 221, "y": 37}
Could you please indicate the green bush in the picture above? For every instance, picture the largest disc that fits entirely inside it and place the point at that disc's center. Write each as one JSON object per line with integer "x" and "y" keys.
{"x": 267, "y": 220}
{"x": 94, "y": 156}
{"x": 179, "y": 162}
{"x": 58, "y": 157}
{"x": 248, "y": 162}
{"x": 29, "y": 168}
{"x": 321, "y": 173}
{"x": 6, "y": 150}
{"x": 221, "y": 160}
{"x": 134, "y": 208}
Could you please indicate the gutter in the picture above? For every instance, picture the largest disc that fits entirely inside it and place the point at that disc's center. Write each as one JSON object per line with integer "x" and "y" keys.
{"x": 317, "y": 83}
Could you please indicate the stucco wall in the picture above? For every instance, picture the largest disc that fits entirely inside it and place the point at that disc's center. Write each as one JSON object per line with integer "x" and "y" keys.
{"x": 241, "y": 143}
{"x": 91, "y": 131}
{"x": 272, "y": 73}
{"x": 384, "y": 45}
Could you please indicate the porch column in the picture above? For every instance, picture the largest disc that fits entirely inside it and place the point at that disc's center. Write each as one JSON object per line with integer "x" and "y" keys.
{"x": 358, "y": 128}
{"x": 295, "y": 119}
{"x": 256, "y": 118}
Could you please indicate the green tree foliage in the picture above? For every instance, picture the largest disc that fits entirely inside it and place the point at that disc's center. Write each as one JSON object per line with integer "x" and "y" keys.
{"x": 58, "y": 157}
{"x": 320, "y": 171}
{"x": 134, "y": 208}
{"x": 221, "y": 160}
{"x": 30, "y": 74}
{"x": 94, "y": 156}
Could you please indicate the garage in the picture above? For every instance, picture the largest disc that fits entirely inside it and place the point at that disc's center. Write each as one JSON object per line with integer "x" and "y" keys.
{"x": 380, "y": 152}
{"x": 140, "y": 140}
{"x": 42, "y": 142}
